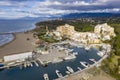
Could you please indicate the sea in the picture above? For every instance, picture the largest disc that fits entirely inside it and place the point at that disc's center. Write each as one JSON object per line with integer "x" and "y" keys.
{"x": 13, "y": 26}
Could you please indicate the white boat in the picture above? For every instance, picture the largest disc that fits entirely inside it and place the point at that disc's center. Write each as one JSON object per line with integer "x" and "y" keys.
{"x": 67, "y": 72}
{"x": 36, "y": 63}
{"x": 75, "y": 53}
{"x": 87, "y": 48}
{"x": 70, "y": 69}
{"x": 31, "y": 64}
{"x": 69, "y": 57}
{"x": 70, "y": 50}
{"x": 46, "y": 77}
{"x": 58, "y": 73}
{"x": 85, "y": 64}
{"x": 100, "y": 53}
{"x": 93, "y": 60}
{"x": 79, "y": 68}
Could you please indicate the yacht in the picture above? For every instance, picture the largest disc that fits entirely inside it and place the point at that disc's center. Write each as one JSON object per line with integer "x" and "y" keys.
{"x": 36, "y": 63}
{"x": 100, "y": 53}
{"x": 58, "y": 73}
{"x": 67, "y": 72}
{"x": 79, "y": 68}
{"x": 93, "y": 60}
{"x": 85, "y": 64}
{"x": 31, "y": 64}
{"x": 46, "y": 77}
{"x": 75, "y": 53}
{"x": 87, "y": 48}
{"x": 70, "y": 69}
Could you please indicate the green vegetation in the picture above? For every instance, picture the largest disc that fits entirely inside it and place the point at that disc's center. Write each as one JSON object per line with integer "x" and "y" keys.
{"x": 80, "y": 25}
{"x": 111, "y": 64}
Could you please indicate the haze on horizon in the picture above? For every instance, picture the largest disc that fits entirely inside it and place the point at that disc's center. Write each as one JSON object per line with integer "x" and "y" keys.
{"x": 15, "y": 9}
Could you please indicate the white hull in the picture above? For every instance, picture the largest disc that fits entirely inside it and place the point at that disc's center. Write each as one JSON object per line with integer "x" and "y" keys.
{"x": 84, "y": 64}
{"x": 45, "y": 77}
{"x": 70, "y": 69}
{"x": 58, "y": 73}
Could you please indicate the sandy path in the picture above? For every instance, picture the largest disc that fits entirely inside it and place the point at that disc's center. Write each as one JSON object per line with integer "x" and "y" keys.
{"x": 20, "y": 44}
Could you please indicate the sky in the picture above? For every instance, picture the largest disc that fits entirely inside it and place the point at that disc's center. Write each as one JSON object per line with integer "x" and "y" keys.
{"x": 14, "y": 9}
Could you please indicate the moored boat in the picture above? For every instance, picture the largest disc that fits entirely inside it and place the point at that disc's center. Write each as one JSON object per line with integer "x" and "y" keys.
{"x": 79, "y": 68}
{"x": 70, "y": 69}
{"x": 58, "y": 73}
{"x": 93, "y": 60}
{"x": 85, "y": 64}
{"x": 46, "y": 77}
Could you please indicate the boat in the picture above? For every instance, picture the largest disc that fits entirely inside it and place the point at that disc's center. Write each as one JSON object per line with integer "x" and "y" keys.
{"x": 85, "y": 64}
{"x": 67, "y": 72}
{"x": 36, "y": 63}
{"x": 87, "y": 48}
{"x": 75, "y": 53}
{"x": 46, "y": 77}
{"x": 69, "y": 57}
{"x": 58, "y": 73}
{"x": 70, "y": 69}
{"x": 1, "y": 65}
{"x": 70, "y": 50}
{"x": 79, "y": 68}
{"x": 93, "y": 60}
{"x": 100, "y": 53}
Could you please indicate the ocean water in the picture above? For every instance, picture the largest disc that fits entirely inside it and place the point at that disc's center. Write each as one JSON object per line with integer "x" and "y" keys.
{"x": 12, "y": 26}
{"x": 18, "y": 25}
{"x": 36, "y": 73}
{"x": 6, "y": 38}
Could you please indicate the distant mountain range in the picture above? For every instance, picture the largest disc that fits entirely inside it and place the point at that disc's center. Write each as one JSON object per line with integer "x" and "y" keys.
{"x": 90, "y": 15}
{"x": 70, "y": 16}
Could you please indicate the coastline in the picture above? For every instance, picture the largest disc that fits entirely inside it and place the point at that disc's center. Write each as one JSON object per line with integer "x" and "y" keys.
{"x": 18, "y": 44}
{"x": 14, "y": 37}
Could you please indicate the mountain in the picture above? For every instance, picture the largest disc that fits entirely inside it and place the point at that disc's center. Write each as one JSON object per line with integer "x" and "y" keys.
{"x": 90, "y": 15}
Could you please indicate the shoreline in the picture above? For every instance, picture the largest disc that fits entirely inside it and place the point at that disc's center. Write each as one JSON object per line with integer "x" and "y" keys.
{"x": 14, "y": 37}
{"x": 18, "y": 44}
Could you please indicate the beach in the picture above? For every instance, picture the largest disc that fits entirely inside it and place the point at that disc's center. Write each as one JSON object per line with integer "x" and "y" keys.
{"x": 23, "y": 42}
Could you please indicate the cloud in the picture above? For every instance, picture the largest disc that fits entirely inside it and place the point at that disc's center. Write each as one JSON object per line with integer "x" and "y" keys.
{"x": 47, "y": 8}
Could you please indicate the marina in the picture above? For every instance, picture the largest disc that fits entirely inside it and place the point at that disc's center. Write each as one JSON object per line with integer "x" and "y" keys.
{"x": 57, "y": 67}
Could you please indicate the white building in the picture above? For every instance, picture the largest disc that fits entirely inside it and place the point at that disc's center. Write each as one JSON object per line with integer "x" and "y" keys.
{"x": 17, "y": 57}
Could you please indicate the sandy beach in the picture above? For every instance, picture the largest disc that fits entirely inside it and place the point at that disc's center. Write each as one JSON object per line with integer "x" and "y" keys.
{"x": 19, "y": 44}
